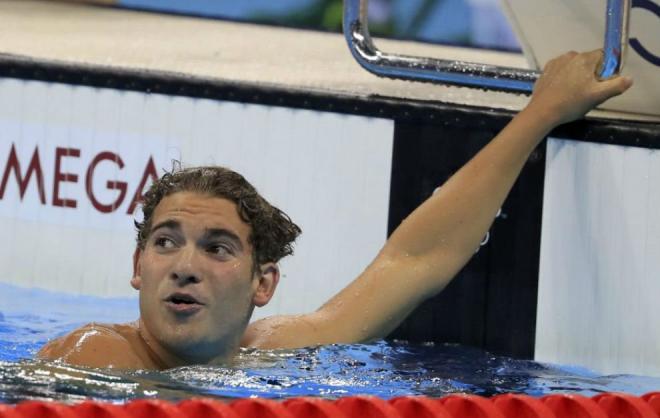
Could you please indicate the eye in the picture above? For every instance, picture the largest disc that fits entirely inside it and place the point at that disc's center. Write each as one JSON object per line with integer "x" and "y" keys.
{"x": 220, "y": 250}
{"x": 164, "y": 242}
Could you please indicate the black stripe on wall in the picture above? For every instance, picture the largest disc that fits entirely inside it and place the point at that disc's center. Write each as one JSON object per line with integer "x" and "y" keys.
{"x": 491, "y": 304}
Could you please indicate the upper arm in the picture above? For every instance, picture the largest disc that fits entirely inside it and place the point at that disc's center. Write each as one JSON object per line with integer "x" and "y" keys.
{"x": 293, "y": 331}
{"x": 92, "y": 346}
{"x": 370, "y": 307}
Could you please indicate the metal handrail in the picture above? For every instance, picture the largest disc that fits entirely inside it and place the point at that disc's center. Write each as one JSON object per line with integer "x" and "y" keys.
{"x": 616, "y": 38}
{"x": 492, "y": 77}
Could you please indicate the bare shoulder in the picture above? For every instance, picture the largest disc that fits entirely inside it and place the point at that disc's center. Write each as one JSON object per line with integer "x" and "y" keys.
{"x": 96, "y": 345}
{"x": 287, "y": 331}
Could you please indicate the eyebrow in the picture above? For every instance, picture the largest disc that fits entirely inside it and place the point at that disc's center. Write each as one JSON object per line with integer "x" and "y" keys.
{"x": 209, "y": 233}
{"x": 170, "y": 223}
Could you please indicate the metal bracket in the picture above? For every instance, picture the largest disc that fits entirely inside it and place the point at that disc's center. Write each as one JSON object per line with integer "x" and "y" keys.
{"x": 461, "y": 73}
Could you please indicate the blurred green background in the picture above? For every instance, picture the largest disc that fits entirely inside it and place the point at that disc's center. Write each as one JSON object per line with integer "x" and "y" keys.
{"x": 474, "y": 23}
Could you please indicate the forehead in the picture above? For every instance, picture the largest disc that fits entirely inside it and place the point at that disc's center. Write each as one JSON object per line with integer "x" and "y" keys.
{"x": 201, "y": 211}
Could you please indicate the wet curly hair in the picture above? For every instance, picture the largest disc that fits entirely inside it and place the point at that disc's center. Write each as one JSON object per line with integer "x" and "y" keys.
{"x": 273, "y": 232}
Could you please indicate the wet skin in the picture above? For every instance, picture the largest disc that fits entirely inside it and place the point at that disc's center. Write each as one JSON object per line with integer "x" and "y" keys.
{"x": 198, "y": 286}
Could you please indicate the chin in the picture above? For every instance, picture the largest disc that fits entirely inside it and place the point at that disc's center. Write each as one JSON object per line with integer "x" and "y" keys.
{"x": 196, "y": 346}
{"x": 184, "y": 337}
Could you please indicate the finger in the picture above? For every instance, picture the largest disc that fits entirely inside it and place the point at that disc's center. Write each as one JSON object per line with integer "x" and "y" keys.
{"x": 594, "y": 59}
{"x": 612, "y": 87}
{"x": 595, "y": 55}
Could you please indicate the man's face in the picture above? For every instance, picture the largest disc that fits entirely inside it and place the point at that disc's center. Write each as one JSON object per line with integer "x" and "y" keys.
{"x": 196, "y": 278}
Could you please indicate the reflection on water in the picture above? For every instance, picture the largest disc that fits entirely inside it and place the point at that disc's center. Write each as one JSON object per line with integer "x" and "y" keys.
{"x": 385, "y": 369}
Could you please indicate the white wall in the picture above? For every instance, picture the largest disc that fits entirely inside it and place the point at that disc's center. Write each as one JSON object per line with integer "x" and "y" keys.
{"x": 329, "y": 172}
{"x": 600, "y": 258}
{"x": 536, "y": 23}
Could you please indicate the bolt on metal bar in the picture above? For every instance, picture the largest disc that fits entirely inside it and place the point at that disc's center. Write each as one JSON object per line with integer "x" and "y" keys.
{"x": 461, "y": 73}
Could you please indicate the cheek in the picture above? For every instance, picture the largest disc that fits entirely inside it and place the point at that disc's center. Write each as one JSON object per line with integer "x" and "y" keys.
{"x": 233, "y": 283}
{"x": 151, "y": 266}
{"x": 152, "y": 270}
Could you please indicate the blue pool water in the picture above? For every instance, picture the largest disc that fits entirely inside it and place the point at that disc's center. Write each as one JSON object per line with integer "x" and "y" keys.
{"x": 28, "y": 318}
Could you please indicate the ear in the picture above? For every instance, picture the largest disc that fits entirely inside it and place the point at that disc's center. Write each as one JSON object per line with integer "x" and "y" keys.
{"x": 136, "y": 280}
{"x": 266, "y": 279}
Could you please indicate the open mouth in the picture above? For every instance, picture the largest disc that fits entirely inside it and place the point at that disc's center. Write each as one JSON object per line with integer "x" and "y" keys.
{"x": 180, "y": 298}
{"x": 183, "y": 303}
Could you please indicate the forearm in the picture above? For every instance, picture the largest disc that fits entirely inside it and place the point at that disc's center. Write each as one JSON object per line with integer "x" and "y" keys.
{"x": 447, "y": 228}
{"x": 445, "y": 231}
{"x": 422, "y": 255}
{"x": 427, "y": 250}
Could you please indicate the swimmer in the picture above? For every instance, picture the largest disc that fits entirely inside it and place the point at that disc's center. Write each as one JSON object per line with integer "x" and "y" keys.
{"x": 208, "y": 247}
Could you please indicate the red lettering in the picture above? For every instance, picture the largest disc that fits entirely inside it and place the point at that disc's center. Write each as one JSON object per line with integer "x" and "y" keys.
{"x": 35, "y": 172}
{"x": 112, "y": 185}
{"x": 34, "y": 167}
{"x": 63, "y": 177}
{"x": 149, "y": 172}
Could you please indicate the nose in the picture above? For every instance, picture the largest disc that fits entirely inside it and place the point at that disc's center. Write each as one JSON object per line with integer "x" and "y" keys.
{"x": 185, "y": 269}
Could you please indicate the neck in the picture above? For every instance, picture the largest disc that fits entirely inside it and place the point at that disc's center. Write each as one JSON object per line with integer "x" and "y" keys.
{"x": 167, "y": 359}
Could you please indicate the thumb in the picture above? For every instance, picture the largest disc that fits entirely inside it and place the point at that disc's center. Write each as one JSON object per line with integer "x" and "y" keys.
{"x": 611, "y": 87}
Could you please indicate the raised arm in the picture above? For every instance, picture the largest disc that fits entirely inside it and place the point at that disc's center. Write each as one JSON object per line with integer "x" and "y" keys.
{"x": 430, "y": 247}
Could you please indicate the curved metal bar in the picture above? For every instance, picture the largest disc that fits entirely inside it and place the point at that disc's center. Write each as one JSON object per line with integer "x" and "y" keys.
{"x": 356, "y": 32}
{"x": 616, "y": 38}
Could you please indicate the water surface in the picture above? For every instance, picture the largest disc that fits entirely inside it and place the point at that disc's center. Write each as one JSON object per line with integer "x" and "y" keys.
{"x": 28, "y": 318}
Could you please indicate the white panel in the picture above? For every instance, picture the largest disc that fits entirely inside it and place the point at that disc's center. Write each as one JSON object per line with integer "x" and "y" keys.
{"x": 582, "y": 29}
{"x": 600, "y": 258}
{"x": 329, "y": 172}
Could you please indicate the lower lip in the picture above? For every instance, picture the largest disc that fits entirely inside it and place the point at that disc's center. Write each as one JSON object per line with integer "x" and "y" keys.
{"x": 183, "y": 308}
